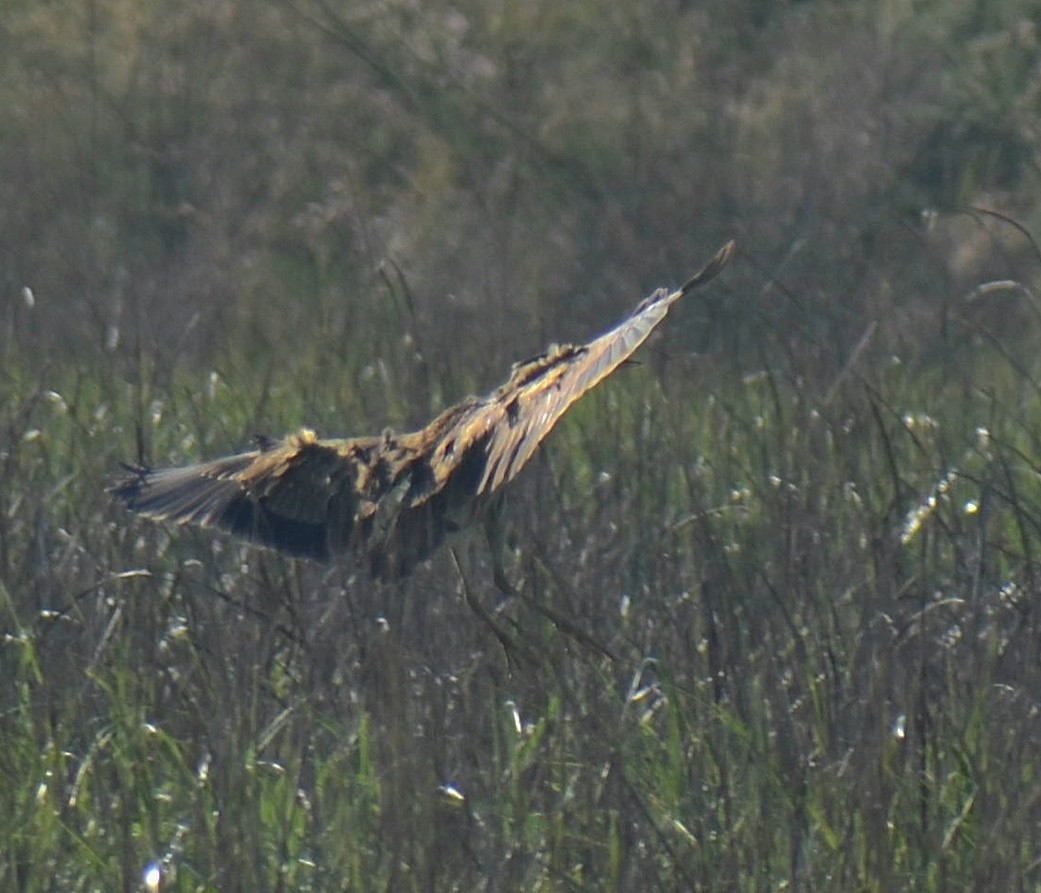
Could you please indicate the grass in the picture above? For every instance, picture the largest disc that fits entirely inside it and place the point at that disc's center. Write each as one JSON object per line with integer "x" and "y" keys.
{"x": 822, "y": 602}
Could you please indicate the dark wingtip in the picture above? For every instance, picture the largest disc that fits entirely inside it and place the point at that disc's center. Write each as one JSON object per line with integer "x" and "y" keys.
{"x": 711, "y": 269}
{"x": 127, "y": 487}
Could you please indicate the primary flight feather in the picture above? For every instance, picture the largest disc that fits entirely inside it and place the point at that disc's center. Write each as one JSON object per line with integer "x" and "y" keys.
{"x": 392, "y": 498}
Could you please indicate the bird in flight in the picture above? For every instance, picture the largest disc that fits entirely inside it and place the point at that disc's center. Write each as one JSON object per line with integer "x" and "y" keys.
{"x": 392, "y": 498}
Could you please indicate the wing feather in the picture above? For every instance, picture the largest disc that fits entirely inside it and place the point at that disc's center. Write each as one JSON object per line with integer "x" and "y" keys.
{"x": 518, "y": 416}
{"x": 299, "y": 496}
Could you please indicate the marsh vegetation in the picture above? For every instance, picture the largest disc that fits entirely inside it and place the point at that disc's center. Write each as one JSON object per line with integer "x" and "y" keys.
{"x": 804, "y": 531}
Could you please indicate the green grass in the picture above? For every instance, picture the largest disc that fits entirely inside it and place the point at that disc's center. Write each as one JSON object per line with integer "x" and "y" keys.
{"x": 822, "y": 603}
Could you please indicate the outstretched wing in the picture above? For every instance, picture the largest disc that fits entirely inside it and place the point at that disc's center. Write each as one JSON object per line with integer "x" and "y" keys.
{"x": 394, "y": 497}
{"x": 303, "y": 496}
{"x": 512, "y": 421}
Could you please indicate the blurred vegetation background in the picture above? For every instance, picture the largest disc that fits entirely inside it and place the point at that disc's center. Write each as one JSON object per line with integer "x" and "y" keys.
{"x": 805, "y": 531}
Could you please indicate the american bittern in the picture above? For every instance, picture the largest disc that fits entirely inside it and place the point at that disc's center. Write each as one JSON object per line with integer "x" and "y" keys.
{"x": 392, "y": 498}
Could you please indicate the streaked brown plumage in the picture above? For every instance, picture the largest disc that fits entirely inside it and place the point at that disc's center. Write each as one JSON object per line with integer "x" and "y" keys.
{"x": 392, "y": 498}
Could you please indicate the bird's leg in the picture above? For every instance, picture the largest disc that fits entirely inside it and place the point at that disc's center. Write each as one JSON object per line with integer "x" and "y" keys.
{"x": 569, "y": 628}
{"x": 493, "y": 533}
{"x": 509, "y": 645}
{"x": 562, "y": 623}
